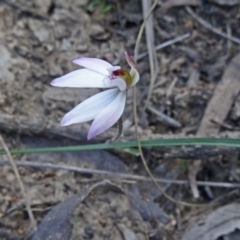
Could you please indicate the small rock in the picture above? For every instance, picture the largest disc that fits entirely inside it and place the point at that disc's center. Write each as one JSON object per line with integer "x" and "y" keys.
{"x": 96, "y": 30}
{"x": 10, "y": 177}
{"x": 127, "y": 233}
{"x": 49, "y": 47}
{"x": 177, "y": 63}
{"x": 40, "y": 31}
{"x": 61, "y": 31}
{"x": 80, "y": 3}
{"x": 82, "y": 47}
{"x": 65, "y": 44}
{"x": 43, "y": 5}
{"x": 6, "y": 75}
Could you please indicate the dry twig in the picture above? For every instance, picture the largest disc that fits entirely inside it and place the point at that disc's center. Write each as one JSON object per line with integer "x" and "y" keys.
{"x": 115, "y": 175}
{"x": 120, "y": 129}
{"x": 149, "y": 32}
{"x": 166, "y": 44}
{"x": 136, "y": 119}
{"x": 210, "y": 27}
{"x": 164, "y": 118}
{"x": 24, "y": 193}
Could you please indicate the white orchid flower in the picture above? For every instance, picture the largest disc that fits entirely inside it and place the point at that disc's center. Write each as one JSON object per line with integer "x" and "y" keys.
{"x": 104, "y": 108}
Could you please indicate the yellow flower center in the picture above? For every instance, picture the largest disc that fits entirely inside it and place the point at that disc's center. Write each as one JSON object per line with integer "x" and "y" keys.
{"x": 123, "y": 74}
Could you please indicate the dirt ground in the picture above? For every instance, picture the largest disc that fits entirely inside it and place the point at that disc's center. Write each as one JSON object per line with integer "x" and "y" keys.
{"x": 195, "y": 93}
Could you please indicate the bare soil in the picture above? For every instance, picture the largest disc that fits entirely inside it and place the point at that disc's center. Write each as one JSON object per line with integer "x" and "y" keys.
{"x": 196, "y": 91}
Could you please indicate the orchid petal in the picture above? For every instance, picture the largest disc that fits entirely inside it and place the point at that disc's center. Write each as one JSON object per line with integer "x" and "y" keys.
{"x": 134, "y": 71}
{"x": 95, "y": 64}
{"x": 135, "y": 76}
{"x": 116, "y": 82}
{"x": 82, "y": 78}
{"x": 108, "y": 116}
{"x": 90, "y": 108}
{"x": 113, "y": 68}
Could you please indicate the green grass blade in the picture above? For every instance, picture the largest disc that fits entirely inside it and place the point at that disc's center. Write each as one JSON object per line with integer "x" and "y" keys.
{"x": 215, "y": 142}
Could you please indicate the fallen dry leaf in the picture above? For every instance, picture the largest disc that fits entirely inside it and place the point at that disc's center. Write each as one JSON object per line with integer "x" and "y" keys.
{"x": 57, "y": 223}
{"x": 220, "y": 222}
{"x": 224, "y": 95}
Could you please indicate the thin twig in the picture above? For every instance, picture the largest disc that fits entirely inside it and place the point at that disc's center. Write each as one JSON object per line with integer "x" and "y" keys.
{"x": 229, "y": 33}
{"x": 136, "y": 50}
{"x": 136, "y": 119}
{"x": 120, "y": 129}
{"x": 117, "y": 175}
{"x": 171, "y": 88}
{"x": 179, "y": 219}
{"x": 193, "y": 170}
{"x": 210, "y": 27}
{"x": 149, "y": 33}
{"x": 166, "y": 44}
{"x": 224, "y": 125}
{"x": 24, "y": 193}
{"x": 164, "y": 118}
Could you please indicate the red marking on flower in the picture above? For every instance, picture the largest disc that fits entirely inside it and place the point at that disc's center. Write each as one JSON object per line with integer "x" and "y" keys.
{"x": 123, "y": 74}
{"x": 112, "y": 77}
